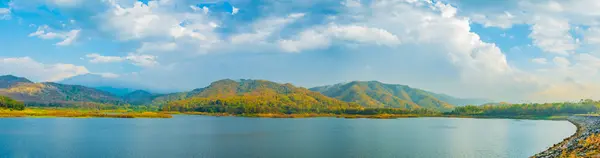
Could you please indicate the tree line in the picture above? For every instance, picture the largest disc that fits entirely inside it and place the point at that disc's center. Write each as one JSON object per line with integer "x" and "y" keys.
{"x": 539, "y": 109}
{"x": 9, "y": 103}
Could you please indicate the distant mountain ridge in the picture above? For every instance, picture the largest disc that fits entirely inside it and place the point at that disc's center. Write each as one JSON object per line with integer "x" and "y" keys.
{"x": 376, "y": 94}
{"x": 115, "y": 86}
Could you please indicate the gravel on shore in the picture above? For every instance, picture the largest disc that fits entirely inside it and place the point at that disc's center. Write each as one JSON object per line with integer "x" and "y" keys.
{"x": 574, "y": 146}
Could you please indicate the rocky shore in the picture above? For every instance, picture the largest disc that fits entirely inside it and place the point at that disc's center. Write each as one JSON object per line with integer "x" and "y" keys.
{"x": 584, "y": 143}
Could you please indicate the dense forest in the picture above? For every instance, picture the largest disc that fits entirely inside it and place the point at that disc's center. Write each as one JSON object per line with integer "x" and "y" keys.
{"x": 537, "y": 109}
{"x": 281, "y": 104}
{"x": 9, "y": 103}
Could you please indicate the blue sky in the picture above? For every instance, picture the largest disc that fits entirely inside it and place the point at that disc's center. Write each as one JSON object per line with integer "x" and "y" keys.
{"x": 521, "y": 51}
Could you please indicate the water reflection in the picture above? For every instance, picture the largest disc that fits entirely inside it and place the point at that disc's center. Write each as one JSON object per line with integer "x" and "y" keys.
{"x": 202, "y": 136}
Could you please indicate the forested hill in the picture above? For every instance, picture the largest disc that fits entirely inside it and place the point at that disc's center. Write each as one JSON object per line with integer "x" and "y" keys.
{"x": 52, "y": 93}
{"x": 253, "y": 96}
{"x": 379, "y": 95}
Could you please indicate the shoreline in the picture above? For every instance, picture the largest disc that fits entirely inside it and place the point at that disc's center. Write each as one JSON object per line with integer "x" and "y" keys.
{"x": 62, "y": 113}
{"x": 581, "y": 144}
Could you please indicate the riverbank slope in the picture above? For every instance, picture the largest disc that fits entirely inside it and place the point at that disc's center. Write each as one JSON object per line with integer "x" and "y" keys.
{"x": 584, "y": 143}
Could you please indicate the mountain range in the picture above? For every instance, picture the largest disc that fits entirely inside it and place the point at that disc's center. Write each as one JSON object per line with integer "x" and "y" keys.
{"x": 48, "y": 92}
{"x": 252, "y": 96}
{"x": 375, "y": 94}
{"x": 371, "y": 94}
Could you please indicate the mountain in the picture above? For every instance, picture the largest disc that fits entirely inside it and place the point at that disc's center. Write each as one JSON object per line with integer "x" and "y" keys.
{"x": 7, "y": 81}
{"x": 139, "y": 97}
{"x": 53, "y": 93}
{"x": 252, "y": 96}
{"x": 115, "y": 86}
{"x": 377, "y": 95}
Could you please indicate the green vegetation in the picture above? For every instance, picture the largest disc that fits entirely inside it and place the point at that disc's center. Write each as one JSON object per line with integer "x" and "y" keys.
{"x": 9, "y": 103}
{"x": 530, "y": 109}
{"x": 375, "y": 94}
{"x": 259, "y": 98}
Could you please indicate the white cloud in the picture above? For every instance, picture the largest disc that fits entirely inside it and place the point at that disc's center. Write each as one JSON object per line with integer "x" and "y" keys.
{"x": 307, "y": 40}
{"x": 592, "y": 36}
{"x": 552, "y": 35}
{"x": 561, "y": 62}
{"x": 4, "y": 13}
{"x": 540, "y": 60}
{"x": 107, "y": 75}
{"x": 39, "y": 71}
{"x": 142, "y": 60}
{"x": 137, "y": 59}
{"x": 263, "y": 29}
{"x": 363, "y": 34}
{"x": 45, "y": 32}
{"x": 157, "y": 22}
{"x": 504, "y": 20}
{"x": 321, "y": 37}
{"x": 234, "y": 10}
{"x": 97, "y": 58}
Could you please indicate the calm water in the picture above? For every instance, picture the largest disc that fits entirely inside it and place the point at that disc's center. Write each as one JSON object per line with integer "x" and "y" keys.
{"x": 203, "y": 136}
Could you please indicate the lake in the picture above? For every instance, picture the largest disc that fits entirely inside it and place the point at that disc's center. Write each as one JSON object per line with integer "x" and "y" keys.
{"x": 205, "y": 136}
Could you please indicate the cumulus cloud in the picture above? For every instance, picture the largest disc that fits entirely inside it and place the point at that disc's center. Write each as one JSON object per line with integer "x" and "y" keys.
{"x": 37, "y": 71}
{"x": 45, "y": 32}
{"x": 552, "y": 35}
{"x": 321, "y": 37}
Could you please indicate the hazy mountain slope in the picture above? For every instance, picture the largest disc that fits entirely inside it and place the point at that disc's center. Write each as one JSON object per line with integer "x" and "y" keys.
{"x": 115, "y": 86}
{"x": 377, "y": 94}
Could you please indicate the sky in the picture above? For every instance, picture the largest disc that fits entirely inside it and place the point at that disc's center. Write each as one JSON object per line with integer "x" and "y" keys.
{"x": 512, "y": 50}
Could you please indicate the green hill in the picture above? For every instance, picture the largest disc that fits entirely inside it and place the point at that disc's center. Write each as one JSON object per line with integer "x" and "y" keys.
{"x": 53, "y": 93}
{"x": 252, "y": 96}
{"x": 375, "y": 94}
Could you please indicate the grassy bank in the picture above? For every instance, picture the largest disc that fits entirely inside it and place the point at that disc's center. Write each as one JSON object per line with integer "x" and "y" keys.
{"x": 79, "y": 113}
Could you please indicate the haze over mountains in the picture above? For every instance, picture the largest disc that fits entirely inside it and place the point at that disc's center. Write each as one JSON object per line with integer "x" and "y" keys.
{"x": 370, "y": 94}
{"x": 112, "y": 85}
